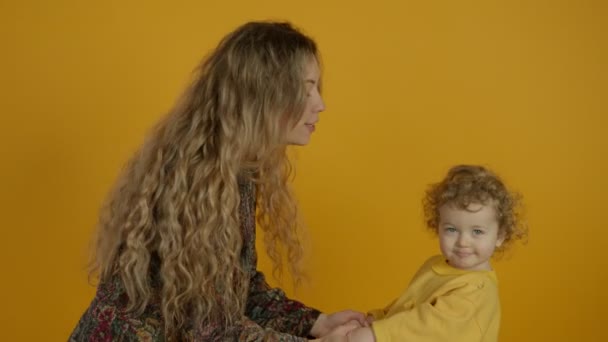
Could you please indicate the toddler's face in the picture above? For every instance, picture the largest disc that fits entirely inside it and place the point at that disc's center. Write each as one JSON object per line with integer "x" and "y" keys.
{"x": 468, "y": 237}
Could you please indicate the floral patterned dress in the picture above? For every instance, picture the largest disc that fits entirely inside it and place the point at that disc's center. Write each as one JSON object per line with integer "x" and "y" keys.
{"x": 269, "y": 314}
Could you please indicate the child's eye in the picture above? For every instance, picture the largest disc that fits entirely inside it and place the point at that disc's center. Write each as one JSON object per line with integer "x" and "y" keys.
{"x": 478, "y": 231}
{"x": 450, "y": 229}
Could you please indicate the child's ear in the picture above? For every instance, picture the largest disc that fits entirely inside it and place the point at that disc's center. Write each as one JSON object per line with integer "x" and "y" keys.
{"x": 501, "y": 238}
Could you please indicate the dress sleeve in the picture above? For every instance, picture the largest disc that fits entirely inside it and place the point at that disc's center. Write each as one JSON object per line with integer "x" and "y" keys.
{"x": 269, "y": 316}
{"x": 244, "y": 330}
{"x": 270, "y": 308}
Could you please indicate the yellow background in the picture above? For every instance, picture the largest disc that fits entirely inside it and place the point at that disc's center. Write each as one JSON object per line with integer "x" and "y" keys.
{"x": 412, "y": 87}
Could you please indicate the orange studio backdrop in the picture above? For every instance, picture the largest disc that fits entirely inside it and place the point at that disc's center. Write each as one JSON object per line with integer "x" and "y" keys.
{"x": 411, "y": 87}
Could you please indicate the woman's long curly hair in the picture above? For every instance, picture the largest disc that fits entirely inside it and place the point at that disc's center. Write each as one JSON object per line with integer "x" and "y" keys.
{"x": 178, "y": 197}
{"x": 474, "y": 184}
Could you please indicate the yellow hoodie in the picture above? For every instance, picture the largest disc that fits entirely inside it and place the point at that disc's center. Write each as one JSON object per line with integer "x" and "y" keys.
{"x": 442, "y": 303}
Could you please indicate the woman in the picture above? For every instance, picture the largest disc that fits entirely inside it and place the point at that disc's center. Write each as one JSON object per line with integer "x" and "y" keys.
{"x": 175, "y": 249}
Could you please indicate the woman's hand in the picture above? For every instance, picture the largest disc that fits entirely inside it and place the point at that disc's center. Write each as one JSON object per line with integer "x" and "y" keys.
{"x": 327, "y": 323}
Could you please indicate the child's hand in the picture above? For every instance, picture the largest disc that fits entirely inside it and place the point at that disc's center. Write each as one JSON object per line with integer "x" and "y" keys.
{"x": 363, "y": 334}
{"x": 369, "y": 318}
{"x": 339, "y": 334}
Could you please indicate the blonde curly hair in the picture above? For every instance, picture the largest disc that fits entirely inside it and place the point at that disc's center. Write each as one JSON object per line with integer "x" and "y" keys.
{"x": 468, "y": 184}
{"x": 178, "y": 198}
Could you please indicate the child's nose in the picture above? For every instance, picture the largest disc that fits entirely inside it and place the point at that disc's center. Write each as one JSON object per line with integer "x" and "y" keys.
{"x": 463, "y": 240}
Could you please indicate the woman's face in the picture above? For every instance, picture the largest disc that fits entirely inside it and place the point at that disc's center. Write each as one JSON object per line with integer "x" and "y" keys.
{"x": 301, "y": 132}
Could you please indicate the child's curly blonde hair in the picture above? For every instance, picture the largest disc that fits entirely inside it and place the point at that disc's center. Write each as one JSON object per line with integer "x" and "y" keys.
{"x": 473, "y": 184}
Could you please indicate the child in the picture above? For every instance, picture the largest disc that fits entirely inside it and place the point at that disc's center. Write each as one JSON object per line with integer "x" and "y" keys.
{"x": 454, "y": 296}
